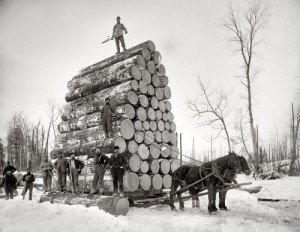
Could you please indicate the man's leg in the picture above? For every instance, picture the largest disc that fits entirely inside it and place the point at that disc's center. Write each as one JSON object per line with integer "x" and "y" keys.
{"x": 122, "y": 42}
{"x": 101, "y": 182}
{"x": 95, "y": 178}
{"x": 11, "y": 192}
{"x": 63, "y": 181}
{"x": 104, "y": 126}
{"x": 6, "y": 193}
{"x": 45, "y": 183}
{"x": 49, "y": 182}
{"x": 115, "y": 179}
{"x": 30, "y": 187}
{"x": 118, "y": 44}
{"x": 109, "y": 127}
{"x": 120, "y": 179}
{"x": 59, "y": 181}
{"x": 75, "y": 179}
{"x": 25, "y": 190}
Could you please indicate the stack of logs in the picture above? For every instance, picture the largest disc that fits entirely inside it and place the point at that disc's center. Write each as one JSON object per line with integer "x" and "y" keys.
{"x": 143, "y": 124}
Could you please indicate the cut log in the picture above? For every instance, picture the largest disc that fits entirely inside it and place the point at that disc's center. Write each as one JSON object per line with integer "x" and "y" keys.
{"x": 150, "y": 90}
{"x": 143, "y": 87}
{"x": 154, "y": 103}
{"x": 149, "y": 137}
{"x": 164, "y": 166}
{"x": 127, "y": 129}
{"x": 164, "y": 80}
{"x": 157, "y": 182}
{"x": 165, "y": 135}
{"x": 133, "y": 147}
{"x": 145, "y": 182}
{"x": 165, "y": 117}
{"x": 161, "y": 70}
{"x": 170, "y": 117}
{"x": 160, "y": 125}
{"x": 135, "y": 85}
{"x": 151, "y": 113}
{"x": 143, "y": 151}
{"x": 146, "y": 125}
{"x": 154, "y": 150}
{"x": 136, "y": 50}
{"x": 120, "y": 142}
{"x": 158, "y": 136}
{"x": 134, "y": 163}
{"x": 158, "y": 115}
{"x": 138, "y": 125}
{"x": 144, "y": 167}
{"x": 167, "y": 181}
{"x": 139, "y": 136}
{"x": 131, "y": 181}
{"x": 132, "y": 97}
{"x": 146, "y": 76}
{"x": 173, "y": 138}
{"x": 129, "y": 111}
{"x": 174, "y": 152}
{"x": 154, "y": 166}
{"x": 159, "y": 94}
{"x": 156, "y": 80}
{"x": 173, "y": 127}
{"x": 162, "y": 106}
{"x": 141, "y": 114}
{"x": 143, "y": 100}
{"x": 156, "y": 57}
{"x": 175, "y": 163}
{"x": 146, "y": 54}
{"x": 153, "y": 126}
{"x": 168, "y": 106}
{"x": 167, "y": 92}
{"x": 165, "y": 150}
{"x": 167, "y": 126}
{"x": 151, "y": 67}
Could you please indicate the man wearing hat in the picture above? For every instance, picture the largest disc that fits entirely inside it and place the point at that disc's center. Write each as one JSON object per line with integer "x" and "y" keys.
{"x": 29, "y": 178}
{"x": 47, "y": 167}
{"x": 106, "y": 117}
{"x": 10, "y": 184}
{"x": 10, "y": 168}
{"x": 101, "y": 161}
{"x": 74, "y": 167}
{"x": 118, "y": 34}
{"x": 117, "y": 162}
{"x": 60, "y": 165}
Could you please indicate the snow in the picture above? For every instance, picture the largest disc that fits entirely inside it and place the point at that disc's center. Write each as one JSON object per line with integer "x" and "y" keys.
{"x": 246, "y": 213}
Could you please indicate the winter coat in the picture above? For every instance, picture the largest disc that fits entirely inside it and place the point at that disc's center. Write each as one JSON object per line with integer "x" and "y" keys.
{"x": 101, "y": 159}
{"x": 46, "y": 166}
{"x": 116, "y": 161}
{"x": 9, "y": 168}
{"x": 61, "y": 165}
{"x": 107, "y": 111}
{"x": 78, "y": 164}
{"x": 10, "y": 181}
{"x": 29, "y": 178}
{"x": 118, "y": 29}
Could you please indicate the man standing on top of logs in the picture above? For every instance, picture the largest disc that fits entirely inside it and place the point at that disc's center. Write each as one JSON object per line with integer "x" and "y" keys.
{"x": 101, "y": 161}
{"x": 61, "y": 165}
{"x": 47, "y": 168}
{"x": 74, "y": 167}
{"x": 118, "y": 34}
{"x": 116, "y": 163}
{"x": 106, "y": 116}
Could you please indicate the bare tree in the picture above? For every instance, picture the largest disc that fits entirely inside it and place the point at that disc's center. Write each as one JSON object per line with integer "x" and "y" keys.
{"x": 246, "y": 29}
{"x": 294, "y": 130}
{"x": 54, "y": 111}
{"x": 212, "y": 110}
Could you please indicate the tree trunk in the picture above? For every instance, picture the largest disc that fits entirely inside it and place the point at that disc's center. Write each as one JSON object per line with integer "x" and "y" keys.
{"x": 165, "y": 151}
{"x": 151, "y": 67}
{"x": 164, "y": 166}
{"x": 146, "y": 76}
{"x": 175, "y": 163}
{"x": 155, "y": 150}
{"x": 134, "y": 163}
{"x": 139, "y": 136}
{"x": 167, "y": 181}
{"x": 144, "y": 167}
{"x": 154, "y": 103}
{"x": 154, "y": 166}
{"x": 131, "y": 181}
{"x": 143, "y": 151}
{"x": 133, "y": 147}
{"x": 157, "y": 182}
{"x": 145, "y": 182}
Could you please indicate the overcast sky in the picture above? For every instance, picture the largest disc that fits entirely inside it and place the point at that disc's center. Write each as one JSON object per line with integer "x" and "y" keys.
{"x": 44, "y": 43}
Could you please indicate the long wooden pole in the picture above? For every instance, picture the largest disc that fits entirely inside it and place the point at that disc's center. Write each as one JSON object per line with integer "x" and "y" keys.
{"x": 180, "y": 149}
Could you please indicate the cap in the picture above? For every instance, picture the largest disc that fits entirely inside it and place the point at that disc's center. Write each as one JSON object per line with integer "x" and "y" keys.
{"x": 118, "y": 17}
{"x": 72, "y": 156}
{"x": 107, "y": 99}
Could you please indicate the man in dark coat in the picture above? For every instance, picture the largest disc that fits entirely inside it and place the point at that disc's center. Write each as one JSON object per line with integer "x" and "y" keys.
{"x": 117, "y": 162}
{"x": 101, "y": 161}
{"x": 106, "y": 116}
{"x": 47, "y": 168}
{"x": 10, "y": 184}
{"x": 61, "y": 166}
{"x": 29, "y": 178}
{"x": 74, "y": 168}
{"x": 10, "y": 168}
{"x": 118, "y": 34}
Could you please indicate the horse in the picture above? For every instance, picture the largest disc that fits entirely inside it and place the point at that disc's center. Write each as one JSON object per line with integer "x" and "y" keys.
{"x": 214, "y": 170}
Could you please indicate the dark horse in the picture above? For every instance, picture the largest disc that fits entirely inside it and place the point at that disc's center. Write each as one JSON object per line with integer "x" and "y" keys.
{"x": 222, "y": 171}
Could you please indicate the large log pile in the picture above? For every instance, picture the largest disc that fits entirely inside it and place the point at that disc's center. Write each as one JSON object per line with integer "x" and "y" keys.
{"x": 143, "y": 125}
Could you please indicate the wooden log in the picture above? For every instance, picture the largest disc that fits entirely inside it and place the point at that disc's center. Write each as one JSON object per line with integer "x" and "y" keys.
{"x": 174, "y": 152}
{"x": 134, "y": 163}
{"x": 143, "y": 100}
{"x": 170, "y": 117}
{"x": 141, "y": 114}
{"x": 173, "y": 138}
{"x": 173, "y": 127}
{"x": 158, "y": 136}
{"x": 154, "y": 166}
{"x": 175, "y": 163}
{"x": 132, "y": 98}
{"x": 145, "y": 182}
{"x": 149, "y": 137}
{"x": 168, "y": 106}
{"x": 153, "y": 126}
{"x": 161, "y": 70}
{"x": 146, "y": 54}
{"x": 165, "y": 117}
{"x": 155, "y": 150}
{"x": 162, "y": 106}
{"x": 129, "y": 111}
{"x": 131, "y": 181}
{"x": 159, "y": 94}
{"x": 139, "y": 136}
{"x": 133, "y": 147}
{"x": 136, "y": 50}
{"x": 167, "y": 126}
{"x": 154, "y": 103}
{"x": 161, "y": 125}
{"x": 164, "y": 80}
{"x": 138, "y": 125}
{"x": 165, "y": 135}
{"x": 156, "y": 80}
{"x": 151, "y": 113}
{"x": 151, "y": 67}
{"x": 156, "y": 57}
{"x": 150, "y": 90}
{"x": 120, "y": 142}
{"x": 158, "y": 115}
{"x": 157, "y": 182}
{"x": 167, "y": 92}
{"x": 143, "y": 151}
{"x": 164, "y": 166}
{"x": 118, "y": 206}
{"x": 127, "y": 129}
{"x": 146, "y": 125}
{"x": 146, "y": 76}
{"x": 143, "y": 87}
{"x": 135, "y": 85}
{"x": 144, "y": 167}
{"x": 165, "y": 150}
{"x": 167, "y": 181}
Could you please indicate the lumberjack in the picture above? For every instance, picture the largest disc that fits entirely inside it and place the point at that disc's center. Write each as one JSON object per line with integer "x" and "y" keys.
{"x": 118, "y": 34}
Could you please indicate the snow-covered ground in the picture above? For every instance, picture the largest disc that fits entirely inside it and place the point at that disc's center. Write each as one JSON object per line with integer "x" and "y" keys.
{"x": 246, "y": 213}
